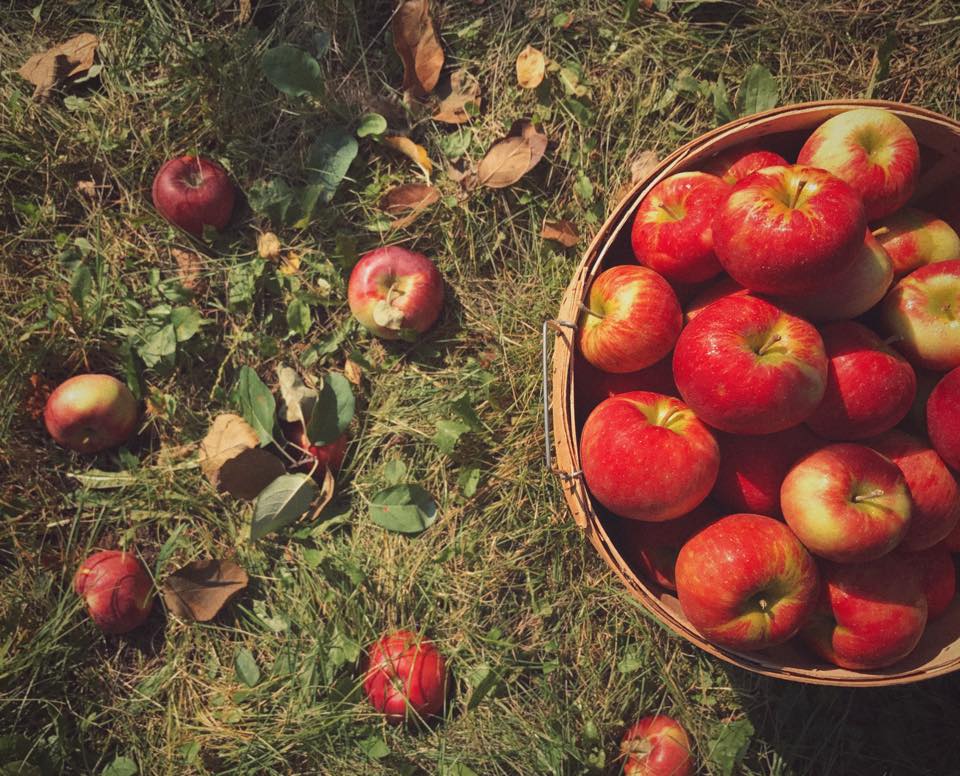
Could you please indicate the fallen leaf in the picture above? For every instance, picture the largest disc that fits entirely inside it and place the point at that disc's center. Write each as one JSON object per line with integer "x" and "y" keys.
{"x": 197, "y": 591}
{"x": 268, "y": 246}
{"x": 508, "y": 160}
{"x": 324, "y": 495}
{"x": 353, "y": 372}
{"x": 231, "y": 458}
{"x": 190, "y": 270}
{"x": 60, "y": 62}
{"x": 640, "y": 168}
{"x": 562, "y": 231}
{"x": 531, "y": 67}
{"x": 87, "y": 188}
{"x": 297, "y": 398}
{"x": 464, "y": 90}
{"x": 290, "y": 264}
{"x": 415, "y": 40}
{"x": 411, "y": 150}
{"x": 245, "y": 12}
{"x": 408, "y": 196}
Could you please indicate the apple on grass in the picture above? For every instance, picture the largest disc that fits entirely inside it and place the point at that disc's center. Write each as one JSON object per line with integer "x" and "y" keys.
{"x": 788, "y": 230}
{"x": 870, "y": 387}
{"x": 89, "y": 413}
{"x": 645, "y": 456}
{"x": 746, "y": 582}
{"x": 938, "y": 577}
{"x": 406, "y": 677}
{"x": 943, "y": 418}
{"x": 738, "y": 162}
{"x": 870, "y": 615}
{"x": 631, "y": 322}
{"x": 672, "y": 227}
{"x": 923, "y": 312}
{"x": 395, "y": 293}
{"x": 657, "y": 745}
{"x": 117, "y": 590}
{"x": 192, "y": 192}
{"x": 933, "y": 489}
{"x": 329, "y": 456}
{"x": 871, "y": 149}
{"x": 913, "y": 238}
{"x": 847, "y": 503}
{"x": 746, "y": 367}
{"x": 592, "y": 385}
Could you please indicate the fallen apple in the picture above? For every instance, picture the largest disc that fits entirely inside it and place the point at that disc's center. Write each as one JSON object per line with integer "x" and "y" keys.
{"x": 89, "y": 413}
{"x": 117, "y": 590}
{"x": 657, "y": 745}
{"x": 406, "y": 677}
{"x": 192, "y": 192}
{"x": 329, "y": 456}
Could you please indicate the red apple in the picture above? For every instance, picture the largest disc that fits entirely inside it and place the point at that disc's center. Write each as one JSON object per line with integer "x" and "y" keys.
{"x": 671, "y": 229}
{"x": 952, "y": 542}
{"x": 913, "y": 238}
{"x": 916, "y": 419}
{"x": 592, "y": 385}
{"x": 329, "y": 456}
{"x": 938, "y": 577}
{"x": 752, "y": 468}
{"x": 846, "y": 503}
{"x": 656, "y": 746}
{"x": 646, "y": 456}
{"x": 870, "y": 387}
{"x": 738, "y": 162}
{"x": 788, "y": 230}
{"x": 746, "y": 367}
{"x": 943, "y": 418}
{"x": 724, "y": 287}
{"x": 933, "y": 489}
{"x": 192, "y": 192}
{"x": 746, "y": 582}
{"x": 89, "y": 413}
{"x": 395, "y": 293}
{"x": 406, "y": 677}
{"x": 872, "y": 150}
{"x": 117, "y": 589}
{"x": 923, "y": 312}
{"x": 870, "y": 615}
{"x": 632, "y": 320}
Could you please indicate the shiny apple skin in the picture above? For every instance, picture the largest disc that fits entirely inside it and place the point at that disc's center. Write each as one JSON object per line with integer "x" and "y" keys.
{"x": 943, "y": 418}
{"x": 117, "y": 590}
{"x": 938, "y": 578}
{"x": 746, "y": 582}
{"x": 657, "y": 745}
{"x": 91, "y": 412}
{"x": 913, "y": 238}
{"x": 406, "y": 677}
{"x": 192, "y": 192}
{"x": 738, "y": 162}
{"x": 723, "y": 287}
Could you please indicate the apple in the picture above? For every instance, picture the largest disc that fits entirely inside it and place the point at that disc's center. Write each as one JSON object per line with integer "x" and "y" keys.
{"x": 854, "y": 291}
{"x": 89, "y": 413}
{"x": 657, "y": 745}
{"x": 645, "y": 456}
{"x": 632, "y": 320}
{"x": 870, "y": 387}
{"x": 724, "y": 287}
{"x": 671, "y": 229}
{"x": 329, "y": 456}
{"x": 933, "y": 489}
{"x": 846, "y": 503}
{"x": 746, "y": 582}
{"x": 406, "y": 677}
{"x": 872, "y": 150}
{"x": 653, "y": 547}
{"x": 738, "y": 162}
{"x": 752, "y": 468}
{"x": 952, "y": 542}
{"x": 870, "y": 615}
{"x": 592, "y": 386}
{"x": 913, "y": 238}
{"x": 788, "y": 230}
{"x": 938, "y": 577}
{"x": 117, "y": 590}
{"x": 746, "y": 367}
{"x": 923, "y": 312}
{"x": 943, "y": 418}
{"x": 192, "y": 192}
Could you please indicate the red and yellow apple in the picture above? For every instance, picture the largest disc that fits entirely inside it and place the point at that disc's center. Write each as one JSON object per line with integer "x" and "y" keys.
{"x": 645, "y": 456}
{"x": 192, "y": 192}
{"x": 938, "y": 577}
{"x": 89, "y": 413}
{"x": 117, "y": 590}
{"x": 943, "y": 418}
{"x": 913, "y": 238}
{"x": 592, "y": 385}
{"x": 657, "y": 745}
{"x": 406, "y": 677}
{"x": 738, "y": 162}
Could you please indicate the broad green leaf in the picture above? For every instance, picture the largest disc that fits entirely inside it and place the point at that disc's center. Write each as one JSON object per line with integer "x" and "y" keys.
{"x": 246, "y": 667}
{"x": 333, "y": 410}
{"x": 721, "y": 105}
{"x": 329, "y": 158}
{"x": 121, "y": 766}
{"x": 305, "y": 200}
{"x": 158, "y": 343}
{"x": 404, "y": 509}
{"x": 448, "y": 433}
{"x": 371, "y": 124}
{"x": 298, "y": 317}
{"x": 759, "y": 91}
{"x": 293, "y": 71}
{"x": 728, "y": 745}
{"x": 374, "y": 747}
{"x": 394, "y": 471}
{"x": 81, "y": 284}
{"x": 256, "y": 403}
{"x": 458, "y": 769}
{"x": 630, "y": 662}
{"x": 186, "y": 322}
{"x": 271, "y": 199}
{"x": 343, "y": 649}
{"x": 282, "y": 502}
{"x": 468, "y": 480}
{"x": 242, "y": 282}
{"x": 465, "y": 411}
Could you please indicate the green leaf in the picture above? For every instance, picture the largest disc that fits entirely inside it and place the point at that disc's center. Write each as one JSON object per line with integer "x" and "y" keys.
{"x": 306, "y": 198}
{"x": 371, "y": 124}
{"x": 630, "y": 663}
{"x": 256, "y": 403}
{"x": 483, "y": 680}
{"x": 298, "y": 317}
{"x": 404, "y": 509}
{"x": 721, "y": 105}
{"x": 448, "y": 433}
{"x": 271, "y": 199}
{"x": 293, "y": 71}
{"x": 583, "y": 187}
{"x": 246, "y": 667}
{"x": 242, "y": 282}
{"x": 329, "y": 158}
{"x": 394, "y": 471}
{"x": 728, "y": 744}
{"x": 333, "y": 410}
{"x": 468, "y": 480}
{"x": 759, "y": 91}
{"x": 374, "y": 747}
{"x": 465, "y": 411}
{"x": 321, "y": 43}
{"x": 282, "y": 502}
{"x": 158, "y": 343}
{"x": 186, "y": 322}
{"x": 121, "y": 766}
{"x": 81, "y": 284}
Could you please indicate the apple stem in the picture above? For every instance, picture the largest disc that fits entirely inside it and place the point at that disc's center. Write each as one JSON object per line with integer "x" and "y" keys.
{"x": 588, "y": 311}
{"x": 762, "y": 603}
{"x": 880, "y": 230}
{"x": 797, "y": 193}
{"x": 864, "y": 496}
{"x": 769, "y": 344}
{"x": 674, "y": 214}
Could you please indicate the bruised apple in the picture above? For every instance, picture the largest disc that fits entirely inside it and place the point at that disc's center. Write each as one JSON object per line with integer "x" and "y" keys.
{"x": 117, "y": 590}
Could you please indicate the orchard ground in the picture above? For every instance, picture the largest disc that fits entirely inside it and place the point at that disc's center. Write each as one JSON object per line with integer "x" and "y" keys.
{"x": 551, "y": 657}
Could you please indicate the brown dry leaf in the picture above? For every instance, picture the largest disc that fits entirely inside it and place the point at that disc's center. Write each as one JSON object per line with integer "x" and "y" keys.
{"x": 408, "y": 196}
{"x": 190, "y": 270}
{"x": 35, "y": 401}
{"x": 324, "y": 494}
{"x": 415, "y": 40}
{"x": 464, "y": 91}
{"x": 508, "y": 160}
{"x": 268, "y": 246}
{"x": 245, "y": 12}
{"x": 531, "y": 67}
{"x": 87, "y": 188}
{"x": 60, "y": 62}
{"x": 411, "y": 150}
{"x": 290, "y": 264}
{"x": 353, "y": 372}
{"x": 231, "y": 458}
{"x": 197, "y": 591}
{"x": 640, "y": 168}
{"x": 562, "y": 231}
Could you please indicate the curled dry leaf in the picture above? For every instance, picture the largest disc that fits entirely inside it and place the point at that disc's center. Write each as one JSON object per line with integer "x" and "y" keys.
{"x": 297, "y": 399}
{"x": 290, "y": 264}
{"x": 353, "y": 372}
{"x": 59, "y": 63}
{"x": 324, "y": 494}
{"x": 510, "y": 159}
{"x": 412, "y": 199}
{"x": 562, "y": 231}
{"x": 197, "y": 591}
{"x": 268, "y": 246}
{"x": 531, "y": 67}
{"x": 232, "y": 459}
{"x": 415, "y": 40}
{"x": 190, "y": 270}
{"x": 411, "y": 150}
{"x": 463, "y": 90}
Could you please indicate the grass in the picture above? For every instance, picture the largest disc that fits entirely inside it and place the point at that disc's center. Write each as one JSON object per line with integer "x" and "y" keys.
{"x": 551, "y": 657}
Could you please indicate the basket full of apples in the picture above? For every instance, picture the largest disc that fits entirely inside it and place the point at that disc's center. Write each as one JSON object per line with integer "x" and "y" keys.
{"x": 754, "y": 403}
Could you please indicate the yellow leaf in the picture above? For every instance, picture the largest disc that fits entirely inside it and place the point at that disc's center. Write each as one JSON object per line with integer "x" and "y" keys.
{"x": 531, "y": 66}
{"x": 268, "y": 246}
{"x": 411, "y": 150}
{"x": 290, "y": 264}
{"x": 562, "y": 231}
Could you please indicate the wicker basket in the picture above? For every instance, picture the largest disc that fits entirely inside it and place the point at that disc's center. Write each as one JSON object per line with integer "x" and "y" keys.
{"x": 784, "y": 129}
